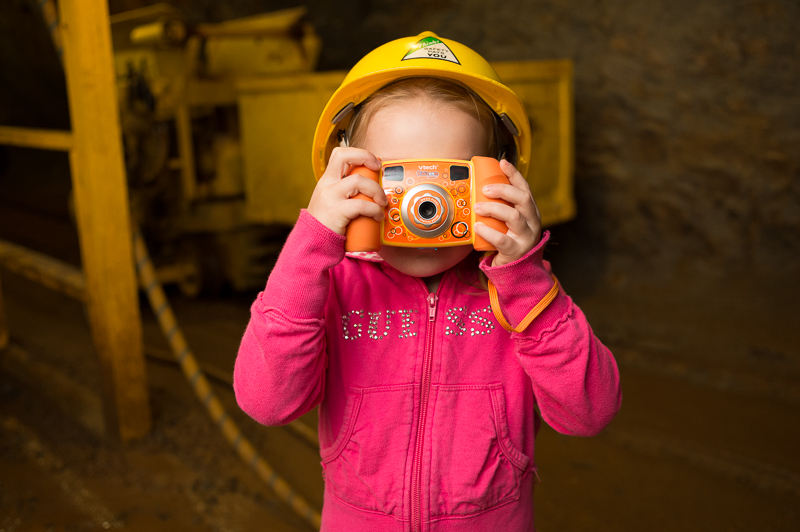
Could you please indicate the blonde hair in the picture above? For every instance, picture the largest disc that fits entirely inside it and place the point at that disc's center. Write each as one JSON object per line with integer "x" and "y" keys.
{"x": 439, "y": 92}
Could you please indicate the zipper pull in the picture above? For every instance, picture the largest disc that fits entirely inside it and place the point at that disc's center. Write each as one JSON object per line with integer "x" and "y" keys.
{"x": 432, "y": 306}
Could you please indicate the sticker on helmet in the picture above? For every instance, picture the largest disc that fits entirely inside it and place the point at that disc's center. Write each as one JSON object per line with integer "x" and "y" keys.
{"x": 431, "y": 48}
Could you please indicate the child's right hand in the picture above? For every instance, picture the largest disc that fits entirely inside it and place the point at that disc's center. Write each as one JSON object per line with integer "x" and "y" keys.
{"x": 332, "y": 202}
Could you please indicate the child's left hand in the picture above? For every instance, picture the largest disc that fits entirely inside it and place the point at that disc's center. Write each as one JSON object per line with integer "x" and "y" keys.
{"x": 522, "y": 218}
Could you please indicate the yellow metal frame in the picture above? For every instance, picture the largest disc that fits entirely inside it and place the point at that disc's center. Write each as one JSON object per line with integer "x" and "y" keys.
{"x": 108, "y": 282}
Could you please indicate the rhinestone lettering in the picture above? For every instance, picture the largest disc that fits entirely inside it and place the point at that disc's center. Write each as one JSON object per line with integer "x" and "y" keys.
{"x": 372, "y": 329}
{"x": 353, "y": 324}
{"x": 480, "y": 324}
{"x": 454, "y": 316}
{"x": 405, "y": 324}
{"x": 483, "y": 325}
{"x": 354, "y": 332}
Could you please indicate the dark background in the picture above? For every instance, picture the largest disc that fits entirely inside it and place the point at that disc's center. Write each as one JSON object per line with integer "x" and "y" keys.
{"x": 685, "y": 253}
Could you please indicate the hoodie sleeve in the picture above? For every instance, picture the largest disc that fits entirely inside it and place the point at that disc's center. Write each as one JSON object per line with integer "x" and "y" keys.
{"x": 574, "y": 377}
{"x": 279, "y": 373}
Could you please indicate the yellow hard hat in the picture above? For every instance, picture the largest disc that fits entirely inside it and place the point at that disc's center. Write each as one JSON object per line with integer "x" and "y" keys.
{"x": 426, "y": 55}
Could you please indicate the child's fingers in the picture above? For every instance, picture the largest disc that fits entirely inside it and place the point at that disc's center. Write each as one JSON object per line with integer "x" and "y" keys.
{"x": 517, "y": 180}
{"x": 510, "y": 193}
{"x": 504, "y": 244}
{"x": 333, "y": 202}
{"x": 512, "y": 217}
{"x": 521, "y": 200}
{"x": 353, "y": 208}
{"x": 514, "y": 176}
{"x": 521, "y": 217}
{"x": 355, "y": 184}
{"x": 342, "y": 159}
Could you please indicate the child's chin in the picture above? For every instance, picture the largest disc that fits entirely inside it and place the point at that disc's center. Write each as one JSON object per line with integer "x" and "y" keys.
{"x": 423, "y": 262}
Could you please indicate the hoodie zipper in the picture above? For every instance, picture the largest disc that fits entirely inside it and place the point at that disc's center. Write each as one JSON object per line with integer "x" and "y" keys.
{"x": 416, "y": 471}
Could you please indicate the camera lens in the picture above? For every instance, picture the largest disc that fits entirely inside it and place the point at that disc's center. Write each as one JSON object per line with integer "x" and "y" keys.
{"x": 427, "y": 210}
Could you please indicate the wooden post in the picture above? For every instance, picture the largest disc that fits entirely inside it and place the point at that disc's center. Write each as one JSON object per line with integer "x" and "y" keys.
{"x": 101, "y": 205}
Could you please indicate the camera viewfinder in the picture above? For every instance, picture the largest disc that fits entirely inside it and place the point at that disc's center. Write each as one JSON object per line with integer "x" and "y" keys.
{"x": 459, "y": 173}
{"x": 393, "y": 173}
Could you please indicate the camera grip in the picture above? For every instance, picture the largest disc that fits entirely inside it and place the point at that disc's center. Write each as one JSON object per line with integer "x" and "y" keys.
{"x": 363, "y": 233}
{"x": 488, "y": 172}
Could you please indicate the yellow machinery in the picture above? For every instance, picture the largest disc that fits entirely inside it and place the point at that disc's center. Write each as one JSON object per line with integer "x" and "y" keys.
{"x": 218, "y": 121}
{"x": 180, "y": 120}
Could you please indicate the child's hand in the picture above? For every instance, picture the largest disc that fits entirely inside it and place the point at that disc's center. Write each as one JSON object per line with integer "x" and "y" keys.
{"x": 332, "y": 202}
{"x": 522, "y": 217}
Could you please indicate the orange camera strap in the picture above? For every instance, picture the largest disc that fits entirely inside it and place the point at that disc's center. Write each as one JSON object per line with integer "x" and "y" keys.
{"x": 535, "y": 311}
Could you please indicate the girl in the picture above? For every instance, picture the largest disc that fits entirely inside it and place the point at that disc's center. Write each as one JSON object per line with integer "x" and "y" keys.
{"x": 427, "y": 412}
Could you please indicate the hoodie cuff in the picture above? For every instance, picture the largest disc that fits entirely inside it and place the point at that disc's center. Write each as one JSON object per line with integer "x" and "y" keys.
{"x": 299, "y": 282}
{"x": 522, "y": 284}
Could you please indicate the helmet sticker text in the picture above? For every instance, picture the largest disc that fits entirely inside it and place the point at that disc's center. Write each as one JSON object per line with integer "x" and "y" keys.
{"x": 431, "y": 48}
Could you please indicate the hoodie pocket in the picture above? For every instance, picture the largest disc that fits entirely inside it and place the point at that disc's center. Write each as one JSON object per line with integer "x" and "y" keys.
{"x": 365, "y": 465}
{"x": 474, "y": 464}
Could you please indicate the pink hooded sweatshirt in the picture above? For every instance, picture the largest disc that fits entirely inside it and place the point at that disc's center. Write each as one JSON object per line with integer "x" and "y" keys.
{"x": 426, "y": 419}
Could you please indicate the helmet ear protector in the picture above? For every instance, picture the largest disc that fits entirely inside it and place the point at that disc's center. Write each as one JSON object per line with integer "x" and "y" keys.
{"x": 425, "y": 55}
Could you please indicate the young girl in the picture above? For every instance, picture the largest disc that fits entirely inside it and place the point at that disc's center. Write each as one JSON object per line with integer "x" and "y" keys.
{"x": 427, "y": 413}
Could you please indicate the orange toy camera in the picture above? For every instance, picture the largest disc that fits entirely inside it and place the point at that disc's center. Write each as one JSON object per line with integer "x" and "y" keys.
{"x": 430, "y": 204}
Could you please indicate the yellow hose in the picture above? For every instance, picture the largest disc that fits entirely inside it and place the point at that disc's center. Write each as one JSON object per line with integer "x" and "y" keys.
{"x": 202, "y": 388}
